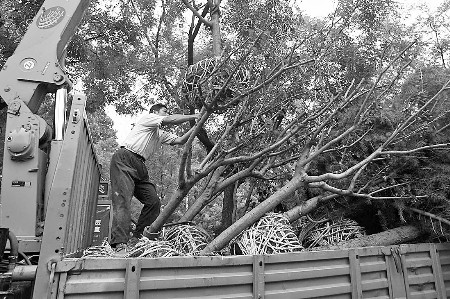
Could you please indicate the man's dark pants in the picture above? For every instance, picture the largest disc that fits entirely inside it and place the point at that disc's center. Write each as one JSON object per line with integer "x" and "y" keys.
{"x": 129, "y": 176}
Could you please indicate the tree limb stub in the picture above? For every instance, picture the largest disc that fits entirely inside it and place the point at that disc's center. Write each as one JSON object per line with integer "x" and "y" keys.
{"x": 394, "y": 236}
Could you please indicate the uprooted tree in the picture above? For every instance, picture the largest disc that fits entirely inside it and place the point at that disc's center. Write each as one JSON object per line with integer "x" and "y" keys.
{"x": 281, "y": 109}
{"x": 299, "y": 115}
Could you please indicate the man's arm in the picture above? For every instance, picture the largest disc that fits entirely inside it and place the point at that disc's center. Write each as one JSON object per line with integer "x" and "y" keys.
{"x": 177, "y": 119}
{"x": 182, "y": 139}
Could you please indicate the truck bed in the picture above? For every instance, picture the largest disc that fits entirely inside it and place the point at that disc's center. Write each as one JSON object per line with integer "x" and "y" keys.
{"x": 403, "y": 271}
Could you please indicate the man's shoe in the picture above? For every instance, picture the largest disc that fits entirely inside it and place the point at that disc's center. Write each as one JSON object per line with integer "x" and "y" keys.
{"x": 132, "y": 242}
{"x": 149, "y": 235}
{"x": 121, "y": 250}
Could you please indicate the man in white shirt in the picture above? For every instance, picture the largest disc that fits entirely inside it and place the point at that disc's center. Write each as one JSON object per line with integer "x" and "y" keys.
{"x": 129, "y": 174}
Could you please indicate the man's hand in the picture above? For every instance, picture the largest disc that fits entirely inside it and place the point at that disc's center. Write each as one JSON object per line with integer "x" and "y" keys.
{"x": 184, "y": 138}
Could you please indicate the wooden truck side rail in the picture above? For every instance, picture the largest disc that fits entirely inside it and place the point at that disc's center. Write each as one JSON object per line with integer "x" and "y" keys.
{"x": 404, "y": 271}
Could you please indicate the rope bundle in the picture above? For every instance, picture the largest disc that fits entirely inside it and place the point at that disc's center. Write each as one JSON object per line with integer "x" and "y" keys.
{"x": 186, "y": 238}
{"x": 270, "y": 235}
{"x": 204, "y": 79}
{"x": 144, "y": 248}
{"x": 103, "y": 250}
{"x": 152, "y": 249}
{"x": 329, "y": 232}
{"x": 179, "y": 239}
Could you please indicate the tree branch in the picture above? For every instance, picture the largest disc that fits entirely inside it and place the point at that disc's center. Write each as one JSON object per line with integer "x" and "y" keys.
{"x": 439, "y": 146}
{"x": 440, "y": 219}
{"x": 197, "y": 14}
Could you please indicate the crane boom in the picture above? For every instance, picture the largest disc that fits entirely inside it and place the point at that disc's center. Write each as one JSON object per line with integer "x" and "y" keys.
{"x": 37, "y": 65}
{"x": 47, "y": 177}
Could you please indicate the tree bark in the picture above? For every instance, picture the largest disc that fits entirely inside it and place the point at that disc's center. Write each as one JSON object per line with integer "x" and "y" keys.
{"x": 215, "y": 20}
{"x": 199, "y": 203}
{"x": 306, "y": 207}
{"x": 254, "y": 215}
{"x": 205, "y": 140}
{"x": 192, "y": 35}
{"x": 2, "y": 137}
{"x": 394, "y": 236}
{"x": 228, "y": 207}
{"x": 168, "y": 210}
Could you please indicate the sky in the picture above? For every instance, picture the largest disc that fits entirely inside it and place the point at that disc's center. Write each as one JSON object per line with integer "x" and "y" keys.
{"x": 316, "y": 8}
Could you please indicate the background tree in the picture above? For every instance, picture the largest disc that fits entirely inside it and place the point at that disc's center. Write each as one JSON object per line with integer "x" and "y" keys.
{"x": 103, "y": 138}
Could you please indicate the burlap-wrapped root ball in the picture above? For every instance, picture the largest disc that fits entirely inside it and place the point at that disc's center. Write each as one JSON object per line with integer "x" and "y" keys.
{"x": 270, "y": 235}
{"x": 204, "y": 79}
{"x": 103, "y": 250}
{"x": 143, "y": 248}
{"x": 152, "y": 249}
{"x": 328, "y": 232}
{"x": 187, "y": 238}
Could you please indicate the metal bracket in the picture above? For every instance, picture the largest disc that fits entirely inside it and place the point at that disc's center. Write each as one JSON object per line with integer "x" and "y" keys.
{"x": 14, "y": 107}
{"x": 258, "y": 277}
{"x": 76, "y": 116}
{"x": 397, "y": 259}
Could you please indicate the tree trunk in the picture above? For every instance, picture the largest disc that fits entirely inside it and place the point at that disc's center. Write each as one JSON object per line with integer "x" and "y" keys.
{"x": 2, "y": 136}
{"x": 215, "y": 20}
{"x": 302, "y": 209}
{"x": 254, "y": 215}
{"x": 207, "y": 194}
{"x": 394, "y": 236}
{"x": 204, "y": 139}
{"x": 308, "y": 206}
{"x": 192, "y": 35}
{"x": 228, "y": 207}
{"x": 175, "y": 200}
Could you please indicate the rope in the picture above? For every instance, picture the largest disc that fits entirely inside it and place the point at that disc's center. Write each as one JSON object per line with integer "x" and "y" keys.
{"x": 270, "y": 235}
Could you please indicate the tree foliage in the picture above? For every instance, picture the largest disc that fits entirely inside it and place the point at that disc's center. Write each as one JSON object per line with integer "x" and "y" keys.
{"x": 305, "y": 116}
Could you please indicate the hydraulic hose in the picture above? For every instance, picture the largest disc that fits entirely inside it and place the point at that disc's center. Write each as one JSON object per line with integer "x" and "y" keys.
{"x": 14, "y": 250}
{"x": 25, "y": 258}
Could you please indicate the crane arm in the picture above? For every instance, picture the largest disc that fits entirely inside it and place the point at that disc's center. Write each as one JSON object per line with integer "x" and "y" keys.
{"x": 37, "y": 65}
